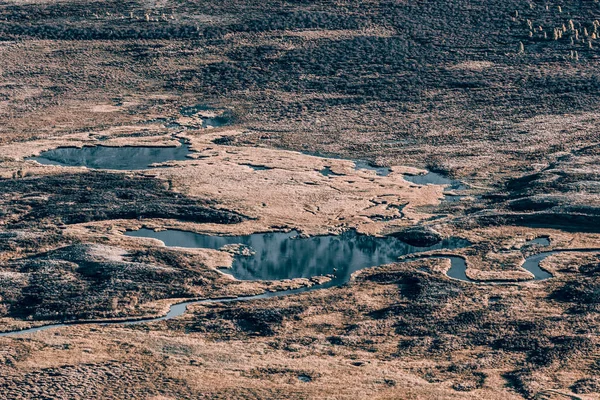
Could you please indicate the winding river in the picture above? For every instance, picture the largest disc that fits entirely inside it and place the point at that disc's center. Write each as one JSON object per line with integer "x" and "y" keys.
{"x": 458, "y": 265}
{"x": 301, "y": 257}
{"x": 175, "y": 310}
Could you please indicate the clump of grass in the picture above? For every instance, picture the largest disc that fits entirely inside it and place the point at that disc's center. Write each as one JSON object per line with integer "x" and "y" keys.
{"x": 574, "y": 55}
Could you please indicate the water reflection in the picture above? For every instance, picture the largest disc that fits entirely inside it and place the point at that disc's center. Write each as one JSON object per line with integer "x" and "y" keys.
{"x": 119, "y": 158}
{"x": 284, "y": 255}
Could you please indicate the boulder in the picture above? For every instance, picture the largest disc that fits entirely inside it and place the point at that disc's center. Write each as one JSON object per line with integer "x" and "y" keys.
{"x": 420, "y": 236}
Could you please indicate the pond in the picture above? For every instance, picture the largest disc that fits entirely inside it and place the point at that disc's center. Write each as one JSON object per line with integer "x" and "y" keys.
{"x": 433, "y": 178}
{"x": 358, "y": 164}
{"x": 108, "y": 157}
{"x": 365, "y": 165}
{"x": 257, "y": 167}
{"x": 286, "y": 255}
{"x": 542, "y": 241}
{"x": 328, "y": 172}
{"x": 351, "y": 251}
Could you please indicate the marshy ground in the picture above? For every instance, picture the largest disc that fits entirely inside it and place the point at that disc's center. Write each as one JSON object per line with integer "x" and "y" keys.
{"x": 305, "y": 116}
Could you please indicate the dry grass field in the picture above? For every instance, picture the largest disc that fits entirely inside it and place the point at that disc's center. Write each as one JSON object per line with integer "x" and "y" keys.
{"x": 278, "y": 101}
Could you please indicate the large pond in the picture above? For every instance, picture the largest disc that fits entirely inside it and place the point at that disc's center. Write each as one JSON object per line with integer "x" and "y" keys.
{"x": 278, "y": 255}
{"x": 107, "y": 157}
{"x": 338, "y": 255}
{"x": 286, "y": 255}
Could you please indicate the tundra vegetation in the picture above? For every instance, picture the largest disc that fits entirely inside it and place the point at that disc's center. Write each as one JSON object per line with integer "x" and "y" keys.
{"x": 499, "y": 95}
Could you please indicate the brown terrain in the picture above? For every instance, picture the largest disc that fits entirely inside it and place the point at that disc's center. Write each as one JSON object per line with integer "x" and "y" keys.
{"x": 499, "y": 95}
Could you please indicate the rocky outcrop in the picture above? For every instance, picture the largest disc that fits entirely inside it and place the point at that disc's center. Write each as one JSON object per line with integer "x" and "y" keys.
{"x": 420, "y": 236}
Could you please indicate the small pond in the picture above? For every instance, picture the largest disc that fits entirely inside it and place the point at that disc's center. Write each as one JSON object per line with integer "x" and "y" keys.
{"x": 358, "y": 164}
{"x": 117, "y": 158}
{"x": 433, "y": 178}
{"x": 380, "y": 171}
{"x": 539, "y": 241}
{"x": 328, "y": 172}
{"x": 257, "y": 167}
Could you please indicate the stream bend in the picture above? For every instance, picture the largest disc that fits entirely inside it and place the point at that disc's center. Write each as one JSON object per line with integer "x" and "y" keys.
{"x": 457, "y": 271}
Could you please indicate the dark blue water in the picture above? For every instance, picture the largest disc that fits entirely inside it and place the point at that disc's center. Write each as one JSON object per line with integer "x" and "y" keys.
{"x": 532, "y": 264}
{"x": 382, "y": 249}
{"x": 458, "y": 267}
{"x": 281, "y": 255}
{"x": 118, "y": 158}
{"x": 175, "y": 311}
{"x": 278, "y": 255}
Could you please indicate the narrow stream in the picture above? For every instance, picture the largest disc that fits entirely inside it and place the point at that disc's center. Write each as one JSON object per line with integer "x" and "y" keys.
{"x": 458, "y": 265}
{"x": 175, "y": 311}
{"x": 457, "y": 271}
{"x": 280, "y": 255}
